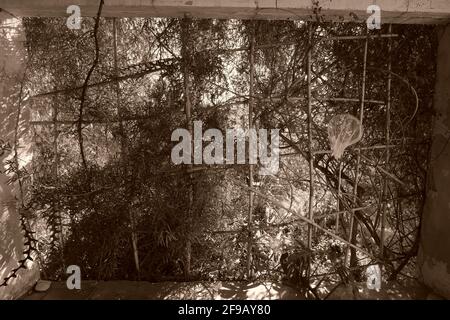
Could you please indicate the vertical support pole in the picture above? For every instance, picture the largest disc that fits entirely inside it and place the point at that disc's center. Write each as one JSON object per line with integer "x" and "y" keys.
{"x": 310, "y": 147}
{"x": 250, "y": 166}
{"x": 185, "y": 45}
{"x": 388, "y": 141}
{"x": 338, "y": 205}
{"x": 55, "y": 175}
{"x": 351, "y": 253}
{"x": 117, "y": 87}
{"x": 124, "y": 152}
{"x": 55, "y": 139}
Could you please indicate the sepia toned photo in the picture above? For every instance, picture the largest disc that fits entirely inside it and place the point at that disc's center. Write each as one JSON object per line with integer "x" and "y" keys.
{"x": 226, "y": 150}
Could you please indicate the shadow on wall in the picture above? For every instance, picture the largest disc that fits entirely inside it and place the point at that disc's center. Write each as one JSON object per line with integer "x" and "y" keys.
{"x": 12, "y": 55}
{"x": 11, "y": 244}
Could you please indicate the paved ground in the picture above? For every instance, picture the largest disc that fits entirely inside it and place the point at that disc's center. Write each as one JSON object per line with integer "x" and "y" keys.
{"x": 122, "y": 290}
{"x": 118, "y": 290}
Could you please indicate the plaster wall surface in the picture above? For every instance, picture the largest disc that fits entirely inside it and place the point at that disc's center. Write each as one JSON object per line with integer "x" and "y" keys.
{"x": 12, "y": 56}
{"x": 434, "y": 252}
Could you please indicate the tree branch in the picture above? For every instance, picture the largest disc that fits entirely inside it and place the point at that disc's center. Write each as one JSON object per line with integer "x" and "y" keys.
{"x": 85, "y": 86}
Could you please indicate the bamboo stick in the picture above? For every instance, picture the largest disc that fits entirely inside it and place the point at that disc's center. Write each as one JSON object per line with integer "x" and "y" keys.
{"x": 359, "y": 148}
{"x": 124, "y": 151}
{"x": 353, "y": 224}
{"x": 310, "y": 147}
{"x": 278, "y": 44}
{"x": 320, "y": 216}
{"x": 55, "y": 173}
{"x": 335, "y": 99}
{"x": 188, "y": 111}
{"x": 338, "y": 205}
{"x": 99, "y": 121}
{"x": 388, "y": 140}
{"x": 305, "y": 219}
{"x": 387, "y": 173}
{"x": 250, "y": 166}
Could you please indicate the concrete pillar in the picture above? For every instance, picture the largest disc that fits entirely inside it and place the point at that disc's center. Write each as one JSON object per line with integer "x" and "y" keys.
{"x": 12, "y": 54}
{"x": 434, "y": 251}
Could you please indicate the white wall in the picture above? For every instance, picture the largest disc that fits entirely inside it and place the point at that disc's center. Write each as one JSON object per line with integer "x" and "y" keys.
{"x": 12, "y": 56}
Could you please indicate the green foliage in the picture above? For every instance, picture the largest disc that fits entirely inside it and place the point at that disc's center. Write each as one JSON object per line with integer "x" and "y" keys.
{"x": 89, "y": 212}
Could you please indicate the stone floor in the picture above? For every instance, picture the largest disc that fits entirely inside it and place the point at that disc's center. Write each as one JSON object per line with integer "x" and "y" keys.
{"x": 124, "y": 290}
{"x": 118, "y": 290}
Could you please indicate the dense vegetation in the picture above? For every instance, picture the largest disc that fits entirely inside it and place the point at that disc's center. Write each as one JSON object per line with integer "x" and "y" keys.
{"x": 104, "y": 194}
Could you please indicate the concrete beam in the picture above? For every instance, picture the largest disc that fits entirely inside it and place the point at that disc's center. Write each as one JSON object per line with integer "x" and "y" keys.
{"x": 392, "y": 11}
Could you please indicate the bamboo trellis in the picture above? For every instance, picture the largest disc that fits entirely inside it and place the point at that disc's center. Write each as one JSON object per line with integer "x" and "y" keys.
{"x": 311, "y": 219}
{"x": 350, "y": 241}
{"x": 386, "y": 147}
